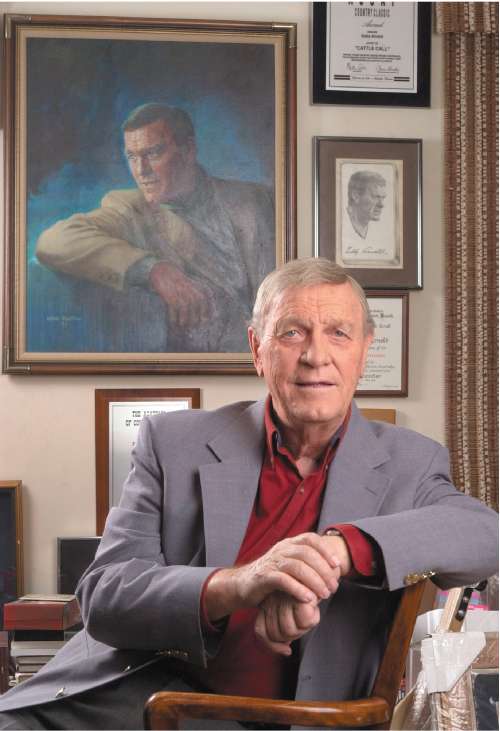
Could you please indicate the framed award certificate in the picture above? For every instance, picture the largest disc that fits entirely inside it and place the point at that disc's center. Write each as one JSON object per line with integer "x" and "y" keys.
{"x": 386, "y": 369}
{"x": 118, "y": 414}
{"x": 375, "y": 53}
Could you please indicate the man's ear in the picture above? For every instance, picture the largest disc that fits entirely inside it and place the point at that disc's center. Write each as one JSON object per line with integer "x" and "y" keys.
{"x": 254, "y": 343}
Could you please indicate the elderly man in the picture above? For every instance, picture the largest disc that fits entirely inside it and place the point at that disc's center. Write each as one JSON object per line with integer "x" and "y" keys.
{"x": 200, "y": 244}
{"x": 243, "y": 529}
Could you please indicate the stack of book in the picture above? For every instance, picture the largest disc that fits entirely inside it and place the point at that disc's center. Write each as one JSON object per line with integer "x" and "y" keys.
{"x": 39, "y": 625}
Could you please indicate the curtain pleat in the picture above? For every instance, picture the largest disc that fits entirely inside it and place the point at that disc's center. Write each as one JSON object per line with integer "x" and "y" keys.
{"x": 471, "y": 243}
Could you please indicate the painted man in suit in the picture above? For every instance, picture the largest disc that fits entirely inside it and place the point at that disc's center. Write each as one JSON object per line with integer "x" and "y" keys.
{"x": 199, "y": 245}
{"x": 258, "y": 549}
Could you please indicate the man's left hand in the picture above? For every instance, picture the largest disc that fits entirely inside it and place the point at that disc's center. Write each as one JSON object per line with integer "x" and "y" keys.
{"x": 282, "y": 619}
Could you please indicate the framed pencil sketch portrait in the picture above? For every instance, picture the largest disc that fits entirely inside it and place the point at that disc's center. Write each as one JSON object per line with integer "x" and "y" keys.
{"x": 150, "y": 187}
{"x": 386, "y": 369}
{"x": 368, "y": 209}
{"x": 118, "y": 414}
{"x": 376, "y": 53}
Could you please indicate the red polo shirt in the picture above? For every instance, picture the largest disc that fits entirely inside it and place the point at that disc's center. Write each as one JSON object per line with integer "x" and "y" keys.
{"x": 286, "y": 505}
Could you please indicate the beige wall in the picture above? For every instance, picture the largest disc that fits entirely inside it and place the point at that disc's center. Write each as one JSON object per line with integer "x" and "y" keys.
{"x": 47, "y": 423}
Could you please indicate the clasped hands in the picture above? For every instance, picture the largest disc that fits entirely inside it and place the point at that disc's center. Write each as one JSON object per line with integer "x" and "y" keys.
{"x": 287, "y": 584}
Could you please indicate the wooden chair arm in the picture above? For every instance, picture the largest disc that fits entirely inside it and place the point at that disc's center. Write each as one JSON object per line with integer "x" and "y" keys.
{"x": 165, "y": 709}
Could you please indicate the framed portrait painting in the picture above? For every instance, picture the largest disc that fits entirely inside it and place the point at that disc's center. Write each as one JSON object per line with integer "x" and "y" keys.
{"x": 368, "y": 209}
{"x": 118, "y": 414}
{"x": 150, "y": 187}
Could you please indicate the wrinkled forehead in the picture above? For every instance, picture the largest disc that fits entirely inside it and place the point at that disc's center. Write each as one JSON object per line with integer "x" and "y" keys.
{"x": 325, "y": 302}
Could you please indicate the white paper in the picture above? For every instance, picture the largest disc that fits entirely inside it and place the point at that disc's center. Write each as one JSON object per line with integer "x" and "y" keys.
{"x": 383, "y": 370}
{"x": 124, "y": 420}
{"x": 372, "y": 46}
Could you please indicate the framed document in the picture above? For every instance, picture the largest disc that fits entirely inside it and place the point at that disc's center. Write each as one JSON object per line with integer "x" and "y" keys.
{"x": 127, "y": 256}
{"x": 368, "y": 216}
{"x": 118, "y": 414}
{"x": 375, "y": 53}
{"x": 386, "y": 370}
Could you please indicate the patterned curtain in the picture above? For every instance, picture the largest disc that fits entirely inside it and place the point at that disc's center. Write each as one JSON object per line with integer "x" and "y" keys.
{"x": 471, "y": 218}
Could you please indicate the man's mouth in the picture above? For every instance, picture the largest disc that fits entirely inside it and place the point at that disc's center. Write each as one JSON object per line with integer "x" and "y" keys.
{"x": 314, "y": 384}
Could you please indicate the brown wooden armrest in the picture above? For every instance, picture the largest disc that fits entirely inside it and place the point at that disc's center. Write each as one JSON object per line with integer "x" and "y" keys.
{"x": 165, "y": 709}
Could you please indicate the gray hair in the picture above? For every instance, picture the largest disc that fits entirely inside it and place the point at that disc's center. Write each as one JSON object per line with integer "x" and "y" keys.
{"x": 359, "y": 182}
{"x": 304, "y": 273}
{"x": 177, "y": 120}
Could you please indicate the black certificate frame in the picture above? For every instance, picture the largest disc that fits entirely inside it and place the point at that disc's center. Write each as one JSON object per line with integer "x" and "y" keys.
{"x": 322, "y": 95}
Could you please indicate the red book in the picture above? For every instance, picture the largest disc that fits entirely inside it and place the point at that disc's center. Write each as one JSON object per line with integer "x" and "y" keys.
{"x": 51, "y": 612}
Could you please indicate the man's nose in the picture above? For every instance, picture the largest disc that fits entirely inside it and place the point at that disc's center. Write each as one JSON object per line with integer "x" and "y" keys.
{"x": 317, "y": 351}
{"x": 143, "y": 166}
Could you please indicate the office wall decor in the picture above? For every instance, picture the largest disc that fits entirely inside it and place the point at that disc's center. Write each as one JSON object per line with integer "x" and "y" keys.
{"x": 368, "y": 208}
{"x": 372, "y": 53}
{"x": 151, "y": 173}
{"x": 118, "y": 414}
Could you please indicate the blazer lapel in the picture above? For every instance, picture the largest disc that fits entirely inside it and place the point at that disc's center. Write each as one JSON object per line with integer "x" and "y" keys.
{"x": 355, "y": 487}
{"x": 229, "y": 486}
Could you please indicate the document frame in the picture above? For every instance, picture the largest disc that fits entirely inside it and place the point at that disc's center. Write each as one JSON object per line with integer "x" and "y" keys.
{"x": 380, "y": 94}
{"x": 118, "y": 413}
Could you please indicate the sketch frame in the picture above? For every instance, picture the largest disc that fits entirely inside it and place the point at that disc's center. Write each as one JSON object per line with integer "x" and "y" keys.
{"x": 19, "y": 356}
{"x": 321, "y": 94}
{"x": 12, "y": 490}
{"x": 397, "y": 233}
{"x": 104, "y": 398}
{"x": 402, "y": 334}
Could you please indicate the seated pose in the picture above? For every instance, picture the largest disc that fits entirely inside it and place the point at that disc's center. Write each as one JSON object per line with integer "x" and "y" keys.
{"x": 258, "y": 549}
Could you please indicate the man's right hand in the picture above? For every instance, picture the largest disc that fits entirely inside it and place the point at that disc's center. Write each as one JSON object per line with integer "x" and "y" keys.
{"x": 187, "y": 303}
{"x": 302, "y": 567}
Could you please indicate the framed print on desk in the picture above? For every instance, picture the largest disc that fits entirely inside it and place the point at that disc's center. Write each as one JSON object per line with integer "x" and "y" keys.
{"x": 149, "y": 190}
{"x": 368, "y": 208}
{"x": 375, "y": 53}
{"x": 118, "y": 414}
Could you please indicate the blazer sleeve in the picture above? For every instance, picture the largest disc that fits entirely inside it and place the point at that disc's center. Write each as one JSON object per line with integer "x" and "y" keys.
{"x": 130, "y": 598}
{"x": 98, "y": 246}
{"x": 448, "y": 535}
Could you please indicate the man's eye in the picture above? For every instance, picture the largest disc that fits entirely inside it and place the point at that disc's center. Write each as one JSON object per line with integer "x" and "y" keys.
{"x": 131, "y": 158}
{"x": 340, "y": 333}
{"x": 290, "y": 333}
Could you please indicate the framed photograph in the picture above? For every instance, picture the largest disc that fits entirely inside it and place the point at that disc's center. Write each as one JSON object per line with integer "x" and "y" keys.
{"x": 368, "y": 208}
{"x": 11, "y": 543}
{"x": 386, "y": 370}
{"x": 150, "y": 187}
{"x": 374, "y": 53}
{"x": 118, "y": 414}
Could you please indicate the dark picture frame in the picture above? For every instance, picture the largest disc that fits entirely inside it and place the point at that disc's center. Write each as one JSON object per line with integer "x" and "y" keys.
{"x": 321, "y": 91}
{"x": 11, "y": 543}
{"x": 74, "y": 556}
{"x": 74, "y": 304}
{"x": 386, "y": 370}
{"x": 111, "y": 469}
{"x": 375, "y": 183}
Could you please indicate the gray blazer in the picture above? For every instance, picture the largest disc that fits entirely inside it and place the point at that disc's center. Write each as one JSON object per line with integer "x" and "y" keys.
{"x": 184, "y": 511}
